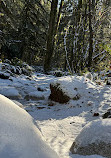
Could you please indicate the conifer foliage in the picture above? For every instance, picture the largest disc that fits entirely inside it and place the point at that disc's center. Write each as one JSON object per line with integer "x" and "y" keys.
{"x": 69, "y": 34}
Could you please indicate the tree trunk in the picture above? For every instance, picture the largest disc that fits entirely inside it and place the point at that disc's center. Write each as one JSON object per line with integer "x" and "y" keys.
{"x": 50, "y": 36}
{"x": 90, "y": 38}
{"x": 53, "y": 27}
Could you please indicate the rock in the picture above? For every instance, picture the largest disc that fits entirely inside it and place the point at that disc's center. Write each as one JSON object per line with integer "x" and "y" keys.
{"x": 108, "y": 82}
{"x": 95, "y": 76}
{"x": 18, "y": 70}
{"x": 13, "y": 69}
{"x": 102, "y": 149}
{"x": 40, "y": 89}
{"x": 29, "y": 78}
{"x": 90, "y": 103}
{"x": 8, "y": 71}
{"x": 4, "y": 75}
{"x": 17, "y": 97}
{"x": 11, "y": 79}
{"x": 28, "y": 97}
{"x": 96, "y": 114}
{"x": 94, "y": 139}
{"x": 99, "y": 82}
{"x": 58, "y": 73}
{"x": 38, "y": 107}
{"x": 77, "y": 97}
{"x": 6, "y": 66}
{"x": 51, "y": 104}
{"x": 35, "y": 96}
{"x": 25, "y": 71}
{"x": 109, "y": 75}
{"x": 57, "y": 94}
{"x": 7, "y": 61}
{"x": 89, "y": 76}
{"x": 107, "y": 115}
{"x": 11, "y": 93}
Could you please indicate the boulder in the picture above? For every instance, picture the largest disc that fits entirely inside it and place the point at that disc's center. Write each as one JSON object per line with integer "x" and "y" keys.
{"x": 94, "y": 139}
{"x": 57, "y": 94}
{"x": 68, "y": 88}
{"x": 4, "y": 75}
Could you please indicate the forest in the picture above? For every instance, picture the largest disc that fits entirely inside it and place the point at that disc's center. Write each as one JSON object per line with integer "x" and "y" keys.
{"x": 55, "y": 78}
{"x": 69, "y": 35}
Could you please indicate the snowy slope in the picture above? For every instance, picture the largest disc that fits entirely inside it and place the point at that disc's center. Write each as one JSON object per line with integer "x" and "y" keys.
{"x": 19, "y": 137}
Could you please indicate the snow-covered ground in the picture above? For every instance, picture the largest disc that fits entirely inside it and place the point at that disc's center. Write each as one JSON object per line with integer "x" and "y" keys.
{"x": 59, "y": 124}
{"x": 19, "y": 136}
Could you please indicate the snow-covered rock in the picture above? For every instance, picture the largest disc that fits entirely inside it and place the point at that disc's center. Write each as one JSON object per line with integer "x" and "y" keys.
{"x": 70, "y": 87}
{"x": 36, "y": 95}
{"x": 4, "y": 75}
{"x": 57, "y": 94}
{"x": 95, "y": 138}
{"x": 18, "y": 70}
{"x": 16, "y": 67}
{"x": 10, "y": 92}
{"x": 0, "y": 66}
{"x": 108, "y": 82}
{"x": 58, "y": 73}
{"x": 95, "y": 76}
{"x": 89, "y": 76}
{"x": 19, "y": 136}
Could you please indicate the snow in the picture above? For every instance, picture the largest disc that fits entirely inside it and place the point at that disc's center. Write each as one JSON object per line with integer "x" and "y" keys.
{"x": 5, "y": 74}
{"x": 0, "y": 66}
{"x": 19, "y": 137}
{"x": 91, "y": 156}
{"x": 37, "y": 94}
{"x": 60, "y": 124}
{"x": 95, "y": 138}
{"x": 95, "y": 132}
{"x": 74, "y": 85}
{"x": 10, "y": 92}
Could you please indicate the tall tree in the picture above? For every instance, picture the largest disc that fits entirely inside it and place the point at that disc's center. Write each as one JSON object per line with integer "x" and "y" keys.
{"x": 53, "y": 26}
{"x": 90, "y": 35}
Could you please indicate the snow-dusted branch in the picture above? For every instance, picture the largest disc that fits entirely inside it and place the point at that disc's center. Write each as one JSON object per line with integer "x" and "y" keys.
{"x": 98, "y": 54}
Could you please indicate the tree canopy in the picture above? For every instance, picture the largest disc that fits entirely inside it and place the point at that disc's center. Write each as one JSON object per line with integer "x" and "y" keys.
{"x": 68, "y": 34}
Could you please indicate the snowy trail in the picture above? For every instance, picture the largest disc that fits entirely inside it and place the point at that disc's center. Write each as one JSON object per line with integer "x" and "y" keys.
{"x": 61, "y": 133}
{"x": 60, "y": 124}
